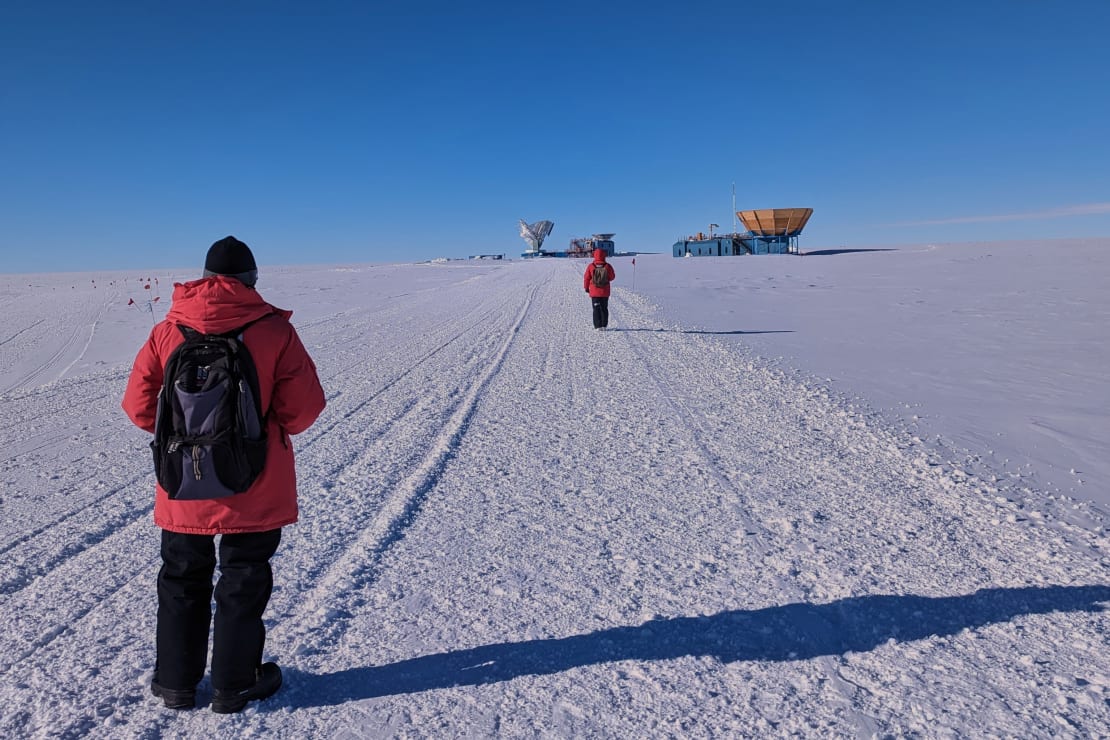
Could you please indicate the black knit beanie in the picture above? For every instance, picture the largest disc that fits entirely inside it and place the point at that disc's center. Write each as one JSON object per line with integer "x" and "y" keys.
{"x": 233, "y": 258}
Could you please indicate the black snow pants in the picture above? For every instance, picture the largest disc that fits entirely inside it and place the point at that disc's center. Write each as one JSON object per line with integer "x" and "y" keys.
{"x": 185, "y": 607}
{"x": 601, "y": 312}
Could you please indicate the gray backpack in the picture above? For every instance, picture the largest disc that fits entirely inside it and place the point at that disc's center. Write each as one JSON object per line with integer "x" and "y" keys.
{"x": 209, "y": 430}
{"x": 600, "y": 276}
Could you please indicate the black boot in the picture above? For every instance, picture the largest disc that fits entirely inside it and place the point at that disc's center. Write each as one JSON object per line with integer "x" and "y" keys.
{"x": 174, "y": 698}
{"x": 267, "y": 682}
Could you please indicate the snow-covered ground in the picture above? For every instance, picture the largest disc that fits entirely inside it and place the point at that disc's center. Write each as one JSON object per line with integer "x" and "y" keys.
{"x": 1000, "y": 348}
{"x": 719, "y": 518}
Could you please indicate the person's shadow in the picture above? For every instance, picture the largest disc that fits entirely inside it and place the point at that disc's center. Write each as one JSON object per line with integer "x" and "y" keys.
{"x": 702, "y": 331}
{"x": 778, "y": 633}
{"x": 830, "y": 252}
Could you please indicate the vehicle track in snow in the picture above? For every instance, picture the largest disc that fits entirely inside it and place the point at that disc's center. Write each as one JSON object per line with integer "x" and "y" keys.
{"x": 77, "y": 324}
{"x": 767, "y": 544}
{"x": 71, "y": 437}
{"x": 322, "y": 626}
{"x": 433, "y": 340}
{"x": 49, "y": 363}
{"x": 56, "y": 654}
{"x": 20, "y": 331}
{"x": 76, "y": 536}
{"x": 32, "y": 555}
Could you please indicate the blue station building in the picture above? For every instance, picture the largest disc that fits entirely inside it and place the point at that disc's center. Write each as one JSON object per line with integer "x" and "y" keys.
{"x": 769, "y": 231}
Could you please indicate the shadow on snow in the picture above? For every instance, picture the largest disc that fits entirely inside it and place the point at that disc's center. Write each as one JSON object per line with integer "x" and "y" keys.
{"x": 779, "y": 633}
{"x": 829, "y": 252}
{"x": 703, "y": 331}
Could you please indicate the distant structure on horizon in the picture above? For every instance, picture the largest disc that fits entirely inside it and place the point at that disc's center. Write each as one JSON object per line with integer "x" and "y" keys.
{"x": 585, "y": 247}
{"x": 580, "y": 247}
{"x": 534, "y": 234}
{"x": 769, "y": 231}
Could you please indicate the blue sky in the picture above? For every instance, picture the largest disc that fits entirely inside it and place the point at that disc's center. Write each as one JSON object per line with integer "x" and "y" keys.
{"x": 133, "y": 135}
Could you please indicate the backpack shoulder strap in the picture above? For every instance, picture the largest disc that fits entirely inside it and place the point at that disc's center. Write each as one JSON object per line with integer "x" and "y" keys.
{"x": 238, "y": 333}
{"x": 246, "y": 365}
{"x": 187, "y": 331}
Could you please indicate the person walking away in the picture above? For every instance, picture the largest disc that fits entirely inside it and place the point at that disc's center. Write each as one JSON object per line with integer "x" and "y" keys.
{"x": 249, "y": 522}
{"x": 599, "y": 274}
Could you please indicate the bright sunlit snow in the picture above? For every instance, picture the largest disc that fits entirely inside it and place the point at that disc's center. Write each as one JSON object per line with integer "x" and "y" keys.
{"x": 851, "y": 493}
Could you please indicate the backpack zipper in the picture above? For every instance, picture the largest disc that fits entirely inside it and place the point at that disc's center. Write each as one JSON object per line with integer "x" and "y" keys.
{"x": 196, "y": 461}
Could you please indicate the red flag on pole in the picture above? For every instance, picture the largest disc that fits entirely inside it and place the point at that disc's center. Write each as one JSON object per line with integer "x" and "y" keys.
{"x": 131, "y": 302}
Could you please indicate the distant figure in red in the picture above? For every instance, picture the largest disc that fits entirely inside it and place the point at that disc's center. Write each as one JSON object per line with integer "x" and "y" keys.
{"x": 248, "y": 523}
{"x": 596, "y": 282}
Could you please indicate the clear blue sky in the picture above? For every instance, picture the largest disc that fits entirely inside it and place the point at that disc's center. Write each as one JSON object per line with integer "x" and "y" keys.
{"x": 134, "y": 134}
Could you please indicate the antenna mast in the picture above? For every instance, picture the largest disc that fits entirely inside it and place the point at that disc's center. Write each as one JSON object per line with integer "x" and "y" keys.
{"x": 734, "y": 207}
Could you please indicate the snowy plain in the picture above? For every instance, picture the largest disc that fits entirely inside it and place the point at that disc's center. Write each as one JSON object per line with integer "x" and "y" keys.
{"x": 854, "y": 493}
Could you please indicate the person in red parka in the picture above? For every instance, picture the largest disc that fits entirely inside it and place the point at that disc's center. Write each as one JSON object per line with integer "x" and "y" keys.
{"x": 249, "y": 523}
{"x": 598, "y": 287}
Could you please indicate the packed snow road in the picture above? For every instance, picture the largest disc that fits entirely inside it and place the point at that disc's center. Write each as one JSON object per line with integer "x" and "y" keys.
{"x": 514, "y": 525}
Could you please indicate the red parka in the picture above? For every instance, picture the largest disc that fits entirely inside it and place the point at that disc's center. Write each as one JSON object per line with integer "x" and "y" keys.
{"x": 597, "y": 291}
{"x": 290, "y": 394}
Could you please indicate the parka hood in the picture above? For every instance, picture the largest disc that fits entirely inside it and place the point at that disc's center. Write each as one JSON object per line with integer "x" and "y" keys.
{"x": 218, "y": 304}
{"x": 599, "y": 255}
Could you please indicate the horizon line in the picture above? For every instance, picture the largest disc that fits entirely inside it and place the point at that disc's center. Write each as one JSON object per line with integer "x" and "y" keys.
{"x": 1086, "y": 209}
